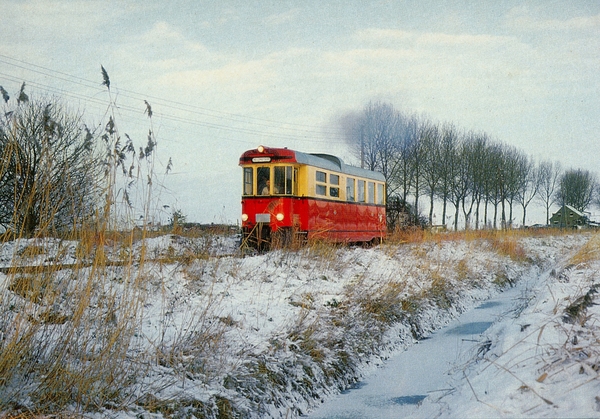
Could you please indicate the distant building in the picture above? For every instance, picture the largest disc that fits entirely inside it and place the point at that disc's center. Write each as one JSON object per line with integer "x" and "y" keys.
{"x": 569, "y": 217}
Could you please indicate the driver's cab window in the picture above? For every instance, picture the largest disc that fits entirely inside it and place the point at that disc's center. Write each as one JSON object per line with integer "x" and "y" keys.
{"x": 248, "y": 180}
{"x": 283, "y": 180}
{"x": 263, "y": 176}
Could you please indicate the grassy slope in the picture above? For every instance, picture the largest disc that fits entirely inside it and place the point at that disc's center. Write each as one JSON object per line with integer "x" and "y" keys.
{"x": 178, "y": 331}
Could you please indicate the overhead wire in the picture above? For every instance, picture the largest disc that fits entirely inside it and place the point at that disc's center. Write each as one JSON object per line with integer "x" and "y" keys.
{"x": 292, "y": 131}
{"x": 137, "y": 112}
{"x": 205, "y": 111}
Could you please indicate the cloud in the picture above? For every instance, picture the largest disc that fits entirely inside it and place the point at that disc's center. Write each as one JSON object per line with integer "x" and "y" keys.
{"x": 227, "y": 16}
{"x": 60, "y": 19}
{"x": 445, "y": 40}
{"x": 161, "y": 48}
{"x": 235, "y": 76}
{"x": 385, "y": 51}
{"x": 521, "y": 19}
{"x": 281, "y": 18}
{"x": 164, "y": 36}
{"x": 391, "y": 37}
{"x": 376, "y": 34}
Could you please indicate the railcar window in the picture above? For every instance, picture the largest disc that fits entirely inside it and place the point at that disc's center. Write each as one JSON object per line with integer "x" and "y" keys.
{"x": 321, "y": 189}
{"x": 248, "y": 180}
{"x": 279, "y": 183}
{"x": 371, "y": 192}
{"x": 380, "y": 194}
{"x": 283, "y": 180}
{"x": 350, "y": 189}
{"x": 361, "y": 191}
{"x": 288, "y": 180}
{"x": 263, "y": 175}
{"x": 334, "y": 191}
{"x": 295, "y": 181}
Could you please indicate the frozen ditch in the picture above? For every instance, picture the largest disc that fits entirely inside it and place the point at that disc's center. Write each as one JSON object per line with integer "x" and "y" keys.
{"x": 422, "y": 371}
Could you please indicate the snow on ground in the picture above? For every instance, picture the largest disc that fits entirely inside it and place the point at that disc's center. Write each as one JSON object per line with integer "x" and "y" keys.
{"x": 275, "y": 334}
{"x": 30, "y": 252}
{"x": 420, "y": 373}
{"x": 541, "y": 361}
{"x": 532, "y": 351}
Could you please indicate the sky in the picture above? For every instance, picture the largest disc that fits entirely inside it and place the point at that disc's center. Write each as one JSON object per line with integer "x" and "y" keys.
{"x": 224, "y": 77}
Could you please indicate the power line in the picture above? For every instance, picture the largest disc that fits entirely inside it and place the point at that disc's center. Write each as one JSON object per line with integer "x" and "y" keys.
{"x": 138, "y": 112}
{"x": 298, "y": 131}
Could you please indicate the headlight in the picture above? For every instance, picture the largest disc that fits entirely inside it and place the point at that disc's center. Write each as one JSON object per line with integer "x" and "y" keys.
{"x": 279, "y": 217}
{"x": 244, "y": 217}
{"x": 261, "y": 149}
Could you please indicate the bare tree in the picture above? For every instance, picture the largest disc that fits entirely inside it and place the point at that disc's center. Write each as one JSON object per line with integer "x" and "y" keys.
{"x": 550, "y": 174}
{"x": 372, "y": 135}
{"x": 432, "y": 175}
{"x": 515, "y": 164}
{"x": 406, "y": 139}
{"x": 369, "y": 132}
{"x": 475, "y": 159}
{"x": 529, "y": 187}
{"x": 577, "y": 188}
{"x": 384, "y": 140}
{"x": 448, "y": 148}
{"x": 49, "y": 169}
{"x": 418, "y": 159}
{"x": 485, "y": 175}
{"x": 494, "y": 181}
{"x": 461, "y": 183}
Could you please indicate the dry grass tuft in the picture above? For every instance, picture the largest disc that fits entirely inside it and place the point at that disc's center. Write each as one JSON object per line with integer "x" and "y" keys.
{"x": 588, "y": 253}
{"x": 417, "y": 235}
{"x": 508, "y": 245}
{"x": 323, "y": 251}
{"x": 66, "y": 329}
{"x": 462, "y": 270}
{"x": 409, "y": 235}
{"x": 384, "y": 303}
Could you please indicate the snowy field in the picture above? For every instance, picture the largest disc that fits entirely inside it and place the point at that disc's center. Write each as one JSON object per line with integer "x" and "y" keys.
{"x": 279, "y": 334}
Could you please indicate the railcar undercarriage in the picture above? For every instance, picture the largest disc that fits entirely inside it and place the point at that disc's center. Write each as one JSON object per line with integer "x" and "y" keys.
{"x": 262, "y": 238}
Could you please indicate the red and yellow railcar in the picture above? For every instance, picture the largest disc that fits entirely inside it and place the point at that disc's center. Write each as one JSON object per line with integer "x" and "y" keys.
{"x": 288, "y": 195}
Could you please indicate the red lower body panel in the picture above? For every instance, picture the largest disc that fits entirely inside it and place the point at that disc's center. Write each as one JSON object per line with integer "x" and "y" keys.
{"x": 316, "y": 218}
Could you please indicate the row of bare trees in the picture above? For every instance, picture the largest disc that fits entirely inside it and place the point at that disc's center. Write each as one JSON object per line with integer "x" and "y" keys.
{"x": 483, "y": 179}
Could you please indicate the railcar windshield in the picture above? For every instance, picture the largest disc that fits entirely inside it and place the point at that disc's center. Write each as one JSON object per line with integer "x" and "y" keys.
{"x": 263, "y": 176}
{"x": 283, "y": 180}
{"x": 248, "y": 180}
{"x": 269, "y": 180}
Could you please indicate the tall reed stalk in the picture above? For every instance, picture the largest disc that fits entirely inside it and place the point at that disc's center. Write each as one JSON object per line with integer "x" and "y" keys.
{"x": 69, "y": 308}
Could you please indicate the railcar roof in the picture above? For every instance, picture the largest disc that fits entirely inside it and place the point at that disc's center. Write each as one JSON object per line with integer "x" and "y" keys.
{"x": 327, "y": 162}
{"x": 330, "y": 162}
